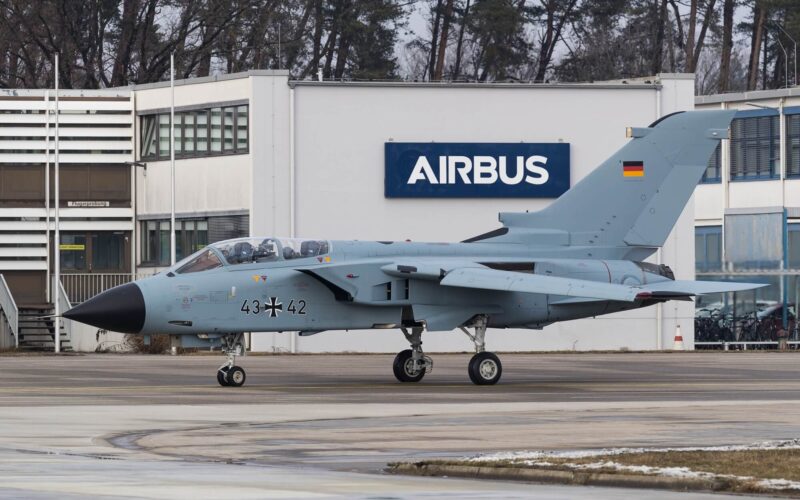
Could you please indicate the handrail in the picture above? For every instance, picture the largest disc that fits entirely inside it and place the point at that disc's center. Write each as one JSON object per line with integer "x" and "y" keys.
{"x": 63, "y": 305}
{"x": 81, "y": 287}
{"x": 9, "y": 308}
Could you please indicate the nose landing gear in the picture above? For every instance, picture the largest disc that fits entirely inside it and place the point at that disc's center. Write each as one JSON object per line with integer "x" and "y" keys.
{"x": 411, "y": 365}
{"x": 230, "y": 375}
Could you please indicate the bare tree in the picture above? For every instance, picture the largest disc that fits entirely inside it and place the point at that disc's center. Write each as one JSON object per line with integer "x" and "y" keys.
{"x": 759, "y": 19}
{"x": 727, "y": 46}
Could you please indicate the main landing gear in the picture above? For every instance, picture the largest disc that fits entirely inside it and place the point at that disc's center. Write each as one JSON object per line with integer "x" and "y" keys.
{"x": 230, "y": 375}
{"x": 484, "y": 368}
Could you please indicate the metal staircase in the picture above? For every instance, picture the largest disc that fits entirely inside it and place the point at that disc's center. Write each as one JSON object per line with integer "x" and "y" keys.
{"x": 33, "y": 326}
{"x": 37, "y": 328}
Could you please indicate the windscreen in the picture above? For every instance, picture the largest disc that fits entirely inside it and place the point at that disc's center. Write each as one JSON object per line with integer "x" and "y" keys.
{"x": 204, "y": 261}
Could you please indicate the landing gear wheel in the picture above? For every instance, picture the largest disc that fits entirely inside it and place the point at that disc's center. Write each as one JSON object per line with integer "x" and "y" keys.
{"x": 403, "y": 367}
{"x": 236, "y": 376}
{"x": 485, "y": 369}
{"x": 222, "y": 376}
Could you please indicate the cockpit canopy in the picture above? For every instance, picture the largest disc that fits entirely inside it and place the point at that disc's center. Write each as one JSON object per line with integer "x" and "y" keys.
{"x": 252, "y": 250}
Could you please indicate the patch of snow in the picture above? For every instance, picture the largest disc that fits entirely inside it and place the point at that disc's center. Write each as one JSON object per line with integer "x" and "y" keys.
{"x": 539, "y": 454}
{"x": 540, "y": 458}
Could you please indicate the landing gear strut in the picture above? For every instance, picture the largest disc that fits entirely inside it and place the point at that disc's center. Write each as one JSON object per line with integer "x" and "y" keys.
{"x": 230, "y": 375}
{"x": 411, "y": 365}
{"x": 484, "y": 367}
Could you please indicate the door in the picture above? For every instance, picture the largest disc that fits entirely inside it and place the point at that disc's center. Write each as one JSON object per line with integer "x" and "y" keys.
{"x": 94, "y": 261}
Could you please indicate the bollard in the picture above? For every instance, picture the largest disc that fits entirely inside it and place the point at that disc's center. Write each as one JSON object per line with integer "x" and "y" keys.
{"x": 678, "y": 344}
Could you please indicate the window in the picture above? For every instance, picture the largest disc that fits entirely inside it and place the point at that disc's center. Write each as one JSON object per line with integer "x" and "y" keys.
{"x": 252, "y": 250}
{"x": 178, "y": 134}
{"x": 216, "y": 130}
{"x": 108, "y": 251}
{"x": 163, "y": 136}
{"x": 755, "y": 144}
{"x": 149, "y": 135}
{"x": 794, "y": 246}
{"x": 228, "y": 135}
{"x": 203, "y": 262}
{"x": 190, "y": 236}
{"x": 73, "y": 252}
{"x": 206, "y": 132}
{"x": 202, "y": 132}
{"x": 188, "y": 134}
{"x": 713, "y": 172}
{"x": 242, "y": 125}
{"x": 793, "y": 145}
{"x": 95, "y": 252}
{"x": 708, "y": 248}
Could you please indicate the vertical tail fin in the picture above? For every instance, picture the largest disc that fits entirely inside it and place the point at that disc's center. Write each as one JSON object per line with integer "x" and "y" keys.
{"x": 635, "y": 197}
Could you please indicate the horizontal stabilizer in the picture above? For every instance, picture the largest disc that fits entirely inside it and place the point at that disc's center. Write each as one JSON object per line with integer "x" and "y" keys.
{"x": 691, "y": 288}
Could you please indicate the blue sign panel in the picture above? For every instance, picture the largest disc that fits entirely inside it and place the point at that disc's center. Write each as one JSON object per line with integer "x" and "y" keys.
{"x": 476, "y": 170}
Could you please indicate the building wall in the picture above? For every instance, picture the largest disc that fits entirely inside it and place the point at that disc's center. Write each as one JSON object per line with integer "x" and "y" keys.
{"x": 340, "y": 131}
{"x": 203, "y": 184}
{"x": 95, "y": 142}
{"x": 754, "y": 197}
{"x": 315, "y": 168}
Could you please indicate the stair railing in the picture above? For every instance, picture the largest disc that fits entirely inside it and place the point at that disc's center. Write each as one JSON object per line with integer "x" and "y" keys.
{"x": 9, "y": 308}
{"x": 63, "y": 306}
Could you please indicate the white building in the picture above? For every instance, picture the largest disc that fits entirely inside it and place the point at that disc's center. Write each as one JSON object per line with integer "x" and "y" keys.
{"x": 260, "y": 154}
{"x": 747, "y": 210}
{"x": 96, "y": 139}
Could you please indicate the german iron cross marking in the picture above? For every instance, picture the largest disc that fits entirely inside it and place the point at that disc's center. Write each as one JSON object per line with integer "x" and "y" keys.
{"x": 273, "y": 307}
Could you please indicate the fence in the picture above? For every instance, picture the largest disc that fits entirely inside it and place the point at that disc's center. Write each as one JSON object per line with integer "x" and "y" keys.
{"x": 756, "y": 330}
{"x": 9, "y": 308}
{"x": 81, "y": 287}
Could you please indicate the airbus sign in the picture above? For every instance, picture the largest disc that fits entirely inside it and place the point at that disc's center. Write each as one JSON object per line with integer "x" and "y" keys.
{"x": 476, "y": 170}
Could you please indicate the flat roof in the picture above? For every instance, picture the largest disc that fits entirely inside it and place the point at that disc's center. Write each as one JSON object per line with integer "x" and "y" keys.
{"x": 752, "y": 95}
{"x": 473, "y": 85}
{"x": 650, "y": 82}
{"x": 119, "y": 92}
{"x": 647, "y": 82}
{"x": 210, "y": 79}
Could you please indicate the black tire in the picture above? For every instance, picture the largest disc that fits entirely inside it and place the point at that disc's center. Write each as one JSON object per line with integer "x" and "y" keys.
{"x": 402, "y": 368}
{"x": 222, "y": 374}
{"x": 485, "y": 369}
{"x": 236, "y": 376}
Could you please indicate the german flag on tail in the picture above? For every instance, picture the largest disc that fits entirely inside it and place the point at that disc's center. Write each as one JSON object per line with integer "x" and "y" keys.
{"x": 633, "y": 168}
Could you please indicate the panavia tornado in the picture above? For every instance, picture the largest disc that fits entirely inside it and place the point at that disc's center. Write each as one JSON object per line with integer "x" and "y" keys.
{"x": 582, "y": 256}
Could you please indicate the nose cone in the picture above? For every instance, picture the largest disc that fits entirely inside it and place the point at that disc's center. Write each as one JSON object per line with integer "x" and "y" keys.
{"x": 120, "y": 309}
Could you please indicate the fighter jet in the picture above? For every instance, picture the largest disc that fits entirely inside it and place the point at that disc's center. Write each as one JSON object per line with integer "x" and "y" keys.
{"x": 582, "y": 256}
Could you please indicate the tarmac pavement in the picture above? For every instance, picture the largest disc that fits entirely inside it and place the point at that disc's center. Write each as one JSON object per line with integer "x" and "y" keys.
{"x": 310, "y": 426}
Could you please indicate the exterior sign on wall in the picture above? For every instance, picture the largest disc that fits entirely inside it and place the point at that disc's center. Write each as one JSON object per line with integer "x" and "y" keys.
{"x": 476, "y": 170}
{"x": 88, "y": 204}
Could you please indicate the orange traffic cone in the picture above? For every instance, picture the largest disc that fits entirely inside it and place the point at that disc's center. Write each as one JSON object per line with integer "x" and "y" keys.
{"x": 678, "y": 345}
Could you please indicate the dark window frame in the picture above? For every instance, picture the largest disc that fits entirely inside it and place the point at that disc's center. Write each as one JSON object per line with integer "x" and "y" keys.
{"x": 197, "y": 152}
{"x": 743, "y": 146}
{"x": 152, "y": 256}
{"x": 702, "y": 262}
{"x": 792, "y": 152}
{"x": 714, "y": 164}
